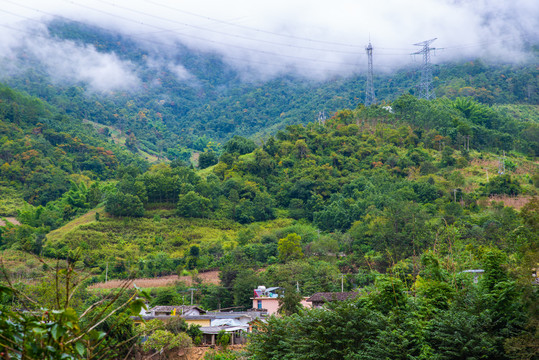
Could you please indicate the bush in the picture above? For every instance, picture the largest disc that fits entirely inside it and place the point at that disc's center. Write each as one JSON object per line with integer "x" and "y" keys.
{"x": 193, "y": 205}
{"x": 223, "y": 339}
{"x": 176, "y": 324}
{"x": 503, "y": 184}
{"x": 120, "y": 204}
{"x": 207, "y": 159}
{"x": 221, "y": 355}
{"x": 165, "y": 340}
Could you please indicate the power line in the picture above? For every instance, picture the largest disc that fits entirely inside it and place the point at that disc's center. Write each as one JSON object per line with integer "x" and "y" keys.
{"x": 209, "y": 40}
{"x": 228, "y": 34}
{"x": 187, "y": 35}
{"x": 251, "y": 28}
{"x": 235, "y": 59}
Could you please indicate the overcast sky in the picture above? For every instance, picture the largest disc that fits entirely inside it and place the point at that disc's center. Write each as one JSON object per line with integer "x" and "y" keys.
{"x": 314, "y": 38}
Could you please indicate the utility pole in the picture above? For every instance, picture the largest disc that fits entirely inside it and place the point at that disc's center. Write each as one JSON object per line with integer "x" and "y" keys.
{"x": 426, "y": 69}
{"x": 191, "y": 290}
{"x": 369, "y": 90}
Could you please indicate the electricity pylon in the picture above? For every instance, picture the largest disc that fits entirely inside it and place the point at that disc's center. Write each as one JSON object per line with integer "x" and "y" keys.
{"x": 426, "y": 69}
{"x": 369, "y": 90}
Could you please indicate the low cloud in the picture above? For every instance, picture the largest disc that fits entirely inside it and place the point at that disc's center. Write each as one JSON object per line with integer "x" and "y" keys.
{"x": 313, "y": 39}
{"x": 67, "y": 61}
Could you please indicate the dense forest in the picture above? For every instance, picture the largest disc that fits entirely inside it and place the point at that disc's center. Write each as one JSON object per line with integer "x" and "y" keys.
{"x": 395, "y": 201}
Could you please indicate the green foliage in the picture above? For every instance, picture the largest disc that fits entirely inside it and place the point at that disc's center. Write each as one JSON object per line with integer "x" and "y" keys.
{"x": 207, "y": 159}
{"x": 120, "y": 204}
{"x": 176, "y": 324}
{"x": 289, "y": 301}
{"x": 195, "y": 333}
{"x": 223, "y": 339}
{"x": 102, "y": 330}
{"x": 242, "y": 288}
{"x": 222, "y": 355}
{"x": 239, "y": 145}
{"x": 433, "y": 321}
{"x": 503, "y": 184}
{"x": 193, "y": 205}
{"x": 336, "y": 334}
{"x": 366, "y": 193}
{"x": 162, "y": 340}
{"x": 290, "y": 247}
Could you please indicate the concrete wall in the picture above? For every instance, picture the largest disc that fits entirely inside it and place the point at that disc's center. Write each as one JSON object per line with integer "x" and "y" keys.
{"x": 270, "y": 304}
{"x": 201, "y": 322}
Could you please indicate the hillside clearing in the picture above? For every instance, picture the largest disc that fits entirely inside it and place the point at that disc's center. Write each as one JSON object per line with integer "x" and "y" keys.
{"x": 209, "y": 277}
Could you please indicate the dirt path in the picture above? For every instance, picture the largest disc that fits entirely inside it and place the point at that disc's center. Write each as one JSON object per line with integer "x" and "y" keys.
{"x": 209, "y": 277}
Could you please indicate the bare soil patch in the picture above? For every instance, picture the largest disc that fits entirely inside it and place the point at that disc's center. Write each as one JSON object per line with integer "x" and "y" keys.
{"x": 209, "y": 277}
{"x": 516, "y": 202}
{"x": 10, "y": 220}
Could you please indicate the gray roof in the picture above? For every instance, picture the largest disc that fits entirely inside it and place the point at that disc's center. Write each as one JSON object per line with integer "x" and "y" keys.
{"x": 179, "y": 308}
{"x": 215, "y": 329}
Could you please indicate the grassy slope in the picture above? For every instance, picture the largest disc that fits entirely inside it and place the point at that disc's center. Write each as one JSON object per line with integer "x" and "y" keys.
{"x": 88, "y": 218}
{"x": 10, "y": 201}
{"x": 131, "y": 238}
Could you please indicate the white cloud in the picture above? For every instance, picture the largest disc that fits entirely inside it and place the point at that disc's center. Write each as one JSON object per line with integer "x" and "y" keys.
{"x": 67, "y": 61}
{"x": 314, "y": 38}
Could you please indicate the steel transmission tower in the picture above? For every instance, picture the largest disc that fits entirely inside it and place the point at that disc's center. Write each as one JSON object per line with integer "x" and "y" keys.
{"x": 426, "y": 70}
{"x": 369, "y": 90}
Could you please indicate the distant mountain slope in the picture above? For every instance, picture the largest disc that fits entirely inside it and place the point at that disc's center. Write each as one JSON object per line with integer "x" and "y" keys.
{"x": 185, "y": 98}
{"x": 42, "y": 150}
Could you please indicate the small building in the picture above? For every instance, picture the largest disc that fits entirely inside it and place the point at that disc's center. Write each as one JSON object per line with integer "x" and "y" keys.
{"x": 266, "y": 299}
{"x": 319, "y": 299}
{"x": 206, "y": 319}
{"x": 237, "y": 334}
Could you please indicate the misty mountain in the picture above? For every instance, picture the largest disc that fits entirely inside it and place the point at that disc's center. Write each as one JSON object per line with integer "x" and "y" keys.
{"x": 170, "y": 99}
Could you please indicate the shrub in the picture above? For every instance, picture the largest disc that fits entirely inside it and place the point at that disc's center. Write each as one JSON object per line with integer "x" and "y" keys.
{"x": 223, "y": 339}
{"x": 162, "y": 340}
{"x": 503, "y": 184}
{"x": 120, "y": 204}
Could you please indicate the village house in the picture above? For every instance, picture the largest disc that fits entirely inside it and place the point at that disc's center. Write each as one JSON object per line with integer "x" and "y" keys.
{"x": 266, "y": 299}
{"x": 235, "y": 323}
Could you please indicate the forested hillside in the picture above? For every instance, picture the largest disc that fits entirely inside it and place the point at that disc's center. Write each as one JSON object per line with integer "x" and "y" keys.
{"x": 213, "y": 171}
{"x": 172, "y": 114}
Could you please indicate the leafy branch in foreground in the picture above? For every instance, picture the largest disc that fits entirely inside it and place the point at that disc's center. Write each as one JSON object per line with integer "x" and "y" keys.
{"x": 101, "y": 330}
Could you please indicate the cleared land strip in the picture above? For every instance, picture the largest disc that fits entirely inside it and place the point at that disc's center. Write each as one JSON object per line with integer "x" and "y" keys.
{"x": 209, "y": 277}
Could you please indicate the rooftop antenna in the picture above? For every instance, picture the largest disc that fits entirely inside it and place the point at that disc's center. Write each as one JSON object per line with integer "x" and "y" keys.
{"x": 426, "y": 69}
{"x": 369, "y": 90}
